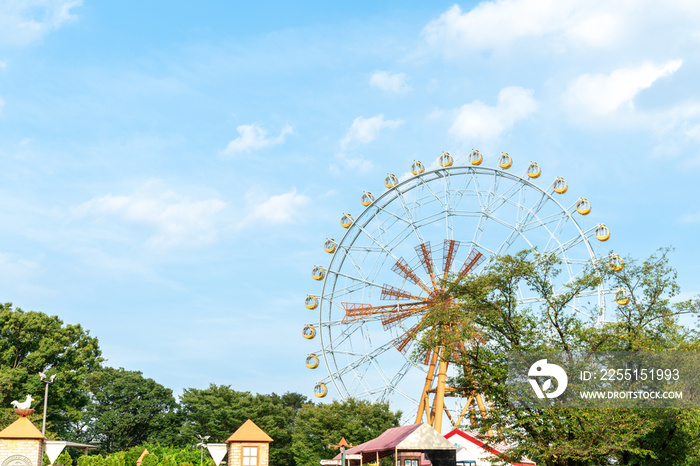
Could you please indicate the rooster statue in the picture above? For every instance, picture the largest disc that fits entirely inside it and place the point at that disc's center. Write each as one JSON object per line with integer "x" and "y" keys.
{"x": 23, "y": 405}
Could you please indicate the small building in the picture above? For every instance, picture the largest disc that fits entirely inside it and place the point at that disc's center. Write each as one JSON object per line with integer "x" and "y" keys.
{"x": 476, "y": 452}
{"x": 21, "y": 444}
{"x": 412, "y": 445}
{"x": 249, "y": 446}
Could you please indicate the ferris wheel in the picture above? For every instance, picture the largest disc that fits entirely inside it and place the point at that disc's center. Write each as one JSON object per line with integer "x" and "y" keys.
{"x": 390, "y": 267}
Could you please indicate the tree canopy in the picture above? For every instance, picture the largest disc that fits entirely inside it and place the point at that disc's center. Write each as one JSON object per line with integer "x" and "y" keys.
{"x": 218, "y": 411}
{"x": 318, "y": 426}
{"x": 33, "y": 342}
{"x": 126, "y": 410}
{"x": 498, "y": 326}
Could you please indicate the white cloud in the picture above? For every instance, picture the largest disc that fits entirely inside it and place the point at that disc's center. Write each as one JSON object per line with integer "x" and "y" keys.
{"x": 274, "y": 210}
{"x": 690, "y": 218}
{"x": 177, "y": 219}
{"x": 254, "y": 137}
{"x": 23, "y": 22}
{"x": 390, "y": 82}
{"x": 599, "y": 94}
{"x": 356, "y": 164}
{"x": 478, "y": 121}
{"x": 365, "y": 130}
{"x": 562, "y": 24}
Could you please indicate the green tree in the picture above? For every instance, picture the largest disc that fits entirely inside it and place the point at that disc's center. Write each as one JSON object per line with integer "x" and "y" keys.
{"x": 127, "y": 409}
{"x": 320, "y": 425}
{"x": 33, "y": 342}
{"x": 495, "y": 325}
{"x": 218, "y": 411}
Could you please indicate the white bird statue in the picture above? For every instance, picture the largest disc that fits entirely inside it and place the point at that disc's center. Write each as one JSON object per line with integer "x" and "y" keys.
{"x": 23, "y": 405}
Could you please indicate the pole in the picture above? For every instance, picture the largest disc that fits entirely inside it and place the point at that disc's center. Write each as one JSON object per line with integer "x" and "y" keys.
{"x": 46, "y": 401}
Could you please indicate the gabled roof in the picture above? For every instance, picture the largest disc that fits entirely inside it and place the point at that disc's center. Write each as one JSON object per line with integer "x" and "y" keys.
{"x": 249, "y": 432}
{"x": 414, "y": 437}
{"x": 496, "y": 449}
{"x": 22, "y": 428}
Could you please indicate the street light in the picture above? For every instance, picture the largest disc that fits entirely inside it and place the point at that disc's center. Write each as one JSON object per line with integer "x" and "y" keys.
{"x": 47, "y": 382}
{"x": 202, "y": 443}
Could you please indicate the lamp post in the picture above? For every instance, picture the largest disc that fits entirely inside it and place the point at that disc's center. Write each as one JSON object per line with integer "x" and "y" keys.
{"x": 47, "y": 382}
{"x": 202, "y": 443}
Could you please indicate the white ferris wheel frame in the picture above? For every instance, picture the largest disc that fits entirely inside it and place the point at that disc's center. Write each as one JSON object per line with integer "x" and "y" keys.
{"x": 344, "y": 374}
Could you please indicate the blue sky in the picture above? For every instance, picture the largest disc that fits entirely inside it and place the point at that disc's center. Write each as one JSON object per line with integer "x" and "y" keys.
{"x": 170, "y": 171}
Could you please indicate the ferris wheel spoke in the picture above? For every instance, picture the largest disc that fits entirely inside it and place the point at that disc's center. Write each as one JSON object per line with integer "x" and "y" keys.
{"x": 346, "y": 290}
{"x": 362, "y": 360}
{"x": 386, "y": 385}
{"x": 477, "y": 190}
{"x": 356, "y": 279}
{"x": 400, "y": 374}
{"x": 480, "y": 227}
{"x": 357, "y": 311}
{"x": 528, "y": 215}
{"x": 409, "y": 216}
{"x": 538, "y": 222}
{"x": 566, "y": 245}
{"x": 397, "y": 217}
{"x": 506, "y": 197}
{"x": 426, "y": 186}
{"x": 357, "y": 267}
{"x": 379, "y": 244}
{"x": 495, "y": 183}
{"x": 444, "y": 206}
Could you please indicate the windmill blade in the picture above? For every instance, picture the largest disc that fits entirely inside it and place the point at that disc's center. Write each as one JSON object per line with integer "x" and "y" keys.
{"x": 394, "y": 320}
{"x": 404, "y": 342}
{"x": 356, "y": 311}
{"x": 426, "y": 258}
{"x": 475, "y": 258}
{"x": 390, "y": 292}
{"x": 449, "y": 251}
{"x": 402, "y": 269}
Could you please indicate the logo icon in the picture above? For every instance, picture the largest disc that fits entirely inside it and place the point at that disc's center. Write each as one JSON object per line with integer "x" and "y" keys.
{"x": 543, "y": 369}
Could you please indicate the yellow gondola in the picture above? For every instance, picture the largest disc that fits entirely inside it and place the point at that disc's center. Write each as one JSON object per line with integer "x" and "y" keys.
{"x": 622, "y": 297}
{"x": 366, "y": 198}
{"x": 583, "y": 207}
{"x": 320, "y": 390}
{"x": 417, "y": 168}
{"x": 560, "y": 186}
{"x": 311, "y": 361}
{"x": 346, "y": 221}
{"x": 602, "y": 233}
{"x": 329, "y": 246}
{"x": 318, "y": 273}
{"x": 475, "y": 157}
{"x": 533, "y": 170}
{"x": 615, "y": 263}
{"x": 311, "y": 302}
{"x": 390, "y": 181}
{"x": 445, "y": 160}
{"x": 505, "y": 161}
{"x": 309, "y": 331}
